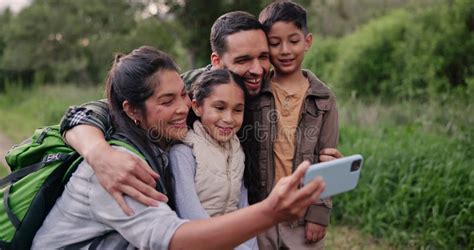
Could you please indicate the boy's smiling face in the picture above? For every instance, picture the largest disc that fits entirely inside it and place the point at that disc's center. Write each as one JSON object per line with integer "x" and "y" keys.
{"x": 287, "y": 44}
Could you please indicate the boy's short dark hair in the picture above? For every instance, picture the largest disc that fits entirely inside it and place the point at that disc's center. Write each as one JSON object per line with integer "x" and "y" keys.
{"x": 228, "y": 24}
{"x": 286, "y": 11}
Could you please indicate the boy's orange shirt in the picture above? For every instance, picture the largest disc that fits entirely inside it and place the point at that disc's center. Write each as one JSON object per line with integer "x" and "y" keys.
{"x": 288, "y": 105}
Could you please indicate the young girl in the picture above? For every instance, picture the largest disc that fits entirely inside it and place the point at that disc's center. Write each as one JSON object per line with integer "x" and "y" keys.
{"x": 208, "y": 167}
{"x": 147, "y": 98}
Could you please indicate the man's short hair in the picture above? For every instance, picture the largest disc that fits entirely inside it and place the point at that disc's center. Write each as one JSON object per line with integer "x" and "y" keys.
{"x": 228, "y": 24}
{"x": 286, "y": 11}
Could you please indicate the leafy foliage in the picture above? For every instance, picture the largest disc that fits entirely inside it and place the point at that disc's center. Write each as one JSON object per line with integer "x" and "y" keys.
{"x": 65, "y": 41}
{"x": 59, "y": 43}
{"x": 197, "y": 17}
{"x": 411, "y": 54}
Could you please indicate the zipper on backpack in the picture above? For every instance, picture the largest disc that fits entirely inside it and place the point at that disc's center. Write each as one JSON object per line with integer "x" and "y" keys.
{"x": 43, "y": 135}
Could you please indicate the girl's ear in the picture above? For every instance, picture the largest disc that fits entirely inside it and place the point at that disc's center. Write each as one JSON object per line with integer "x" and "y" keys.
{"x": 308, "y": 40}
{"x": 131, "y": 112}
{"x": 197, "y": 109}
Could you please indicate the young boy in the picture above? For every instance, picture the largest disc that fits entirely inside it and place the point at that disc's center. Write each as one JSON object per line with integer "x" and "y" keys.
{"x": 299, "y": 113}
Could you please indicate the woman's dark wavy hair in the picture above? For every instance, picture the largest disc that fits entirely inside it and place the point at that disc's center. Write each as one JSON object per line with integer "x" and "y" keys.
{"x": 133, "y": 78}
{"x": 204, "y": 86}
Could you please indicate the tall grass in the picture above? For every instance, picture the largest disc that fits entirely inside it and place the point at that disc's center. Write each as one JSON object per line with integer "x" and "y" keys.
{"x": 3, "y": 171}
{"x": 22, "y": 109}
{"x": 416, "y": 188}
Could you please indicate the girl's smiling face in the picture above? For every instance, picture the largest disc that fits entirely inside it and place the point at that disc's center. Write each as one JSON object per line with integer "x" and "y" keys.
{"x": 222, "y": 112}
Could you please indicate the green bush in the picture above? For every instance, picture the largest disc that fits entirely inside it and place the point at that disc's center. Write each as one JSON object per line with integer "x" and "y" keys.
{"x": 408, "y": 54}
{"x": 75, "y": 41}
{"x": 322, "y": 55}
{"x": 366, "y": 60}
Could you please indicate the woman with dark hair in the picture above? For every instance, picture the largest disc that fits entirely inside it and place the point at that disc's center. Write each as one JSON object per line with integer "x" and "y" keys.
{"x": 149, "y": 106}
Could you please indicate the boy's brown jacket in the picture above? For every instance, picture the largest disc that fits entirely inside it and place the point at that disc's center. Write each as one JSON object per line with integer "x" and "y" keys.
{"x": 318, "y": 128}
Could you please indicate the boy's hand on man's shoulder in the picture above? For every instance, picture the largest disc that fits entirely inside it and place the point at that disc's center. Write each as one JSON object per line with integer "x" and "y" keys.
{"x": 329, "y": 154}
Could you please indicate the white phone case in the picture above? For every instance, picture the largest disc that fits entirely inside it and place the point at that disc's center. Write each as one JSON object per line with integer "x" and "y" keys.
{"x": 340, "y": 175}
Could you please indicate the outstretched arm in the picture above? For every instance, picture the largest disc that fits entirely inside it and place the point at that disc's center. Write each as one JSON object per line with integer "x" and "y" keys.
{"x": 286, "y": 202}
{"x": 160, "y": 228}
{"x": 118, "y": 172}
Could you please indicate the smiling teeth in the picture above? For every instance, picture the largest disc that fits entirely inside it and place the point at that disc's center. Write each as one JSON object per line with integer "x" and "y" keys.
{"x": 179, "y": 122}
{"x": 252, "y": 80}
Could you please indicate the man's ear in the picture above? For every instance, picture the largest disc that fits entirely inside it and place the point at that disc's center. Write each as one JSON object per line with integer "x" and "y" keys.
{"x": 308, "y": 40}
{"x": 215, "y": 60}
{"x": 197, "y": 109}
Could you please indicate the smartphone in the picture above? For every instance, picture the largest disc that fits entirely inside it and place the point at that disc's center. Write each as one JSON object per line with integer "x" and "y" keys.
{"x": 341, "y": 175}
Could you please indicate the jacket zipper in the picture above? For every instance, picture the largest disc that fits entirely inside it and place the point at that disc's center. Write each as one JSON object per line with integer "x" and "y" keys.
{"x": 229, "y": 179}
{"x": 272, "y": 142}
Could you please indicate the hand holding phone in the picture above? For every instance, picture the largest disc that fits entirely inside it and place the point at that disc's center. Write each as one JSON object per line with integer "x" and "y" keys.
{"x": 340, "y": 175}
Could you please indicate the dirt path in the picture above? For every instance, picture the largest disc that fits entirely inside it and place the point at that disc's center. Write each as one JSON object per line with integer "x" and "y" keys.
{"x": 5, "y": 145}
{"x": 344, "y": 237}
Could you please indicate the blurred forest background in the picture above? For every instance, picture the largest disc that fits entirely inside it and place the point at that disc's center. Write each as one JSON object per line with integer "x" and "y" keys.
{"x": 402, "y": 71}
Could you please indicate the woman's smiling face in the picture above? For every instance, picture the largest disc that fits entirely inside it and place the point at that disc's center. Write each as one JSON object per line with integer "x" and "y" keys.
{"x": 167, "y": 108}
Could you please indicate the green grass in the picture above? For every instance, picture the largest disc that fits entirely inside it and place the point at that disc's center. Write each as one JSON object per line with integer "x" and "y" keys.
{"x": 24, "y": 109}
{"x": 3, "y": 170}
{"x": 416, "y": 188}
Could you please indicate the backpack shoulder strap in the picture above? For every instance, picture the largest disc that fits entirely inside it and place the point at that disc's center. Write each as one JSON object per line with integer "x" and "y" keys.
{"x": 22, "y": 172}
{"x": 120, "y": 139}
{"x": 119, "y": 143}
